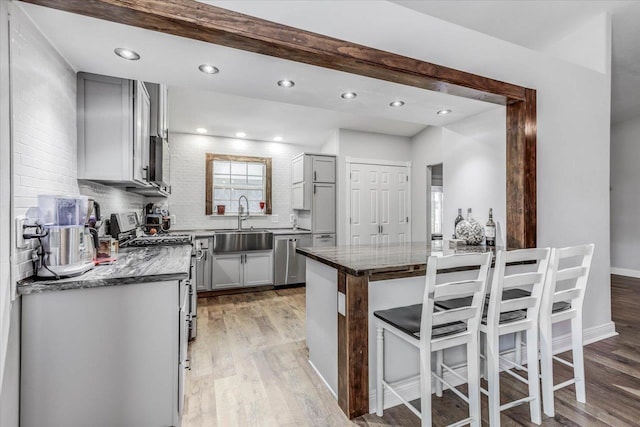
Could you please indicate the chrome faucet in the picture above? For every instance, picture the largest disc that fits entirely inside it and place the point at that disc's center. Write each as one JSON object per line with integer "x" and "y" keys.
{"x": 241, "y": 214}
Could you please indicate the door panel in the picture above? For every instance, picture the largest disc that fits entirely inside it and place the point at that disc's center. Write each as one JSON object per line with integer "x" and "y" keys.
{"x": 227, "y": 271}
{"x": 324, "y": 169}
{"x": 258, "y": 269}
{"x": 364, "y": 202}
{"x": 324, "y": 208}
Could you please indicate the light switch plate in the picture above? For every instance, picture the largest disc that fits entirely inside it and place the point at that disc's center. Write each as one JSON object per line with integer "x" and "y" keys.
{"x": 341, "y": 303}
{"x": 21, "y": 243}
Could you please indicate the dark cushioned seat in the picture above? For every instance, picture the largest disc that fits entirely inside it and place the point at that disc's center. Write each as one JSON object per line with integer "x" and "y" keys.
{"x": 407, "y": 319}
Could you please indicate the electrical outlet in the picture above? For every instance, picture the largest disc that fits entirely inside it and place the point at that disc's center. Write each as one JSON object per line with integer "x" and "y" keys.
{"x": 21, "y": 243}
{"x": 274, "y": 218}
{"x": 292, "y": 218}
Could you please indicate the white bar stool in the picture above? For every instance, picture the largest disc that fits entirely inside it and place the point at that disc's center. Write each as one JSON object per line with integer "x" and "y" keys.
{"x": 430, "y": 328}
{"x": 559, "y": 304}
{"x": 513, "y": 309}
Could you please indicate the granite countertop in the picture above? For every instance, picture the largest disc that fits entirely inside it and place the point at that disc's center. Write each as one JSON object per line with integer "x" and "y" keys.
{"x": 134, "y": 265}
{"x": 212, "y": 231}
{"x": 385, "y": 258}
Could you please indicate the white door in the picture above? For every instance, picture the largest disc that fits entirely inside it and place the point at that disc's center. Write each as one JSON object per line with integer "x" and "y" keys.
{"x": 227, "y": 271}
{"x": 258, "y": 269}
{"x": 394, "y": 215}
{"x": 379, "y": 209}
{"x": 365, "y": 223}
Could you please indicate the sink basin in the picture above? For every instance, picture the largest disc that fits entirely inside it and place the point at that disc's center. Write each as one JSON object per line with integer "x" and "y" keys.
{"x": 241, "y": 241}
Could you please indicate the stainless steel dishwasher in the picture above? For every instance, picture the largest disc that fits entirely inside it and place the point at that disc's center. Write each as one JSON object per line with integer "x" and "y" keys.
{"x": 289, "y": 267}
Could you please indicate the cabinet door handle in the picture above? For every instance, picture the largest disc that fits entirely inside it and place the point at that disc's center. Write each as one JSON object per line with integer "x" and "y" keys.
{"x": 315, "y": 176}
{"x": 314, "y": 189}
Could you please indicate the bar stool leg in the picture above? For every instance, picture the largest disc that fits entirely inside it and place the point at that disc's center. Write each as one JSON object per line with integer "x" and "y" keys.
{"x": 473, "y": 380}
{"x": 518, "y": 349}
{"x": 439, "y": 360}
{"x": 493, "y": 378}
{"x": 380, "y": 371}
{"x": 425, "y": 388}
{"x": 546, "y": 365}
{"x": 578, "y": 358}
{"x": 532, "y": 367}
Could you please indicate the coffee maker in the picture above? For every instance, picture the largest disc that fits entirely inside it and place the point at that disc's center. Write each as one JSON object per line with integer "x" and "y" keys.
{"x": 67, "y": 246}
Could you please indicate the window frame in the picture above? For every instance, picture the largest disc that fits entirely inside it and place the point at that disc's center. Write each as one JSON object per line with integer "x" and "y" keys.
{"x": 210, "y": 157}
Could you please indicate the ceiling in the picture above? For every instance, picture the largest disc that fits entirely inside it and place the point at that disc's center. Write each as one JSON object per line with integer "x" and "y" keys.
{"x": 536, "y": 23}
{"x": 245, "y": 96}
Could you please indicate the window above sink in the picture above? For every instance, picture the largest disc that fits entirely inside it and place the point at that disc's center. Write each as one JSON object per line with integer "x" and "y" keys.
{"x": 230, "y": 177}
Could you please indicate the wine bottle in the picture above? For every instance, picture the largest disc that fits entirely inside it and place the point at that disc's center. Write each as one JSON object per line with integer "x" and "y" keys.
{"x": 490, "y": 230}
{"x": 458, "y": 218}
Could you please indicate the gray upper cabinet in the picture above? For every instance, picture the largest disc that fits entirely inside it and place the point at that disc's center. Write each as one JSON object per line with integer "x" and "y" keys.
{"x": 158, "y": 96}
{"x": 306, "y": 171}
{"x": 113, "y": 130}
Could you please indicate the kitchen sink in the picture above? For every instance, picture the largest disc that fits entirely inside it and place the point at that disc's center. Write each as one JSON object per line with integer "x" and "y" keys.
{"x": 242, "y": 240}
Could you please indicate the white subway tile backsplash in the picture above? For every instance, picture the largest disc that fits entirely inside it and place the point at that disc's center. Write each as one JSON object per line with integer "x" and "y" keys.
{"x": 187, "y": 201}
{"x": 44, "y": 130}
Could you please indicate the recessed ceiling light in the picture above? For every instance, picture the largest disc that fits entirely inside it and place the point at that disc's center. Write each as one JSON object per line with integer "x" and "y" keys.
{"x": 443, "y": 112}
{"x": 241, "y": 134}
{"x": 127, "y": 54}
{"x": 348, "y": 95}
{"x": 201, "y": 130}
{"x": 208, "y": 69}
{"x": 277, "y": 138}
{"x": 397, "y": 103}
{"x": 286, "y": 83}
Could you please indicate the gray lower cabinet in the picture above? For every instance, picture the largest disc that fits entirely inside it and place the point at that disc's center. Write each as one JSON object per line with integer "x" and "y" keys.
{"x": 104, "y": 357}
{"x": 237, "y": 270}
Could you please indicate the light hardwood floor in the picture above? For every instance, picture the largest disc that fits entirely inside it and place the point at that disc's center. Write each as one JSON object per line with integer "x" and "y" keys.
{"x": 249, "y": 368}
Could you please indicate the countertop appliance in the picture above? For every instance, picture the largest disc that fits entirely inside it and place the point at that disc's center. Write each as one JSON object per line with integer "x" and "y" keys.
{"x": 289, "y": 267}
{"x": 66, "y": 246}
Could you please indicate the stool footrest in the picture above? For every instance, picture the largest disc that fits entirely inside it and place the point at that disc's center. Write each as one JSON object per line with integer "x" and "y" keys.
{"x": 565, "y": 362}
{"x": 516, "y": 403}
{"x": 450, "y": 387}
{"x": 462, "y": 422}
{"x": 564, "y": 384}
{"x": 402, "y": 399}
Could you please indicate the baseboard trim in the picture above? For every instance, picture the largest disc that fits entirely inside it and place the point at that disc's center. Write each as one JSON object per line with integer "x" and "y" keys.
{"x": 562, "y": 343}
{"x": 625, "y": 272}
{"x": 410, "y": 389}
{"x": 333, "y": 393}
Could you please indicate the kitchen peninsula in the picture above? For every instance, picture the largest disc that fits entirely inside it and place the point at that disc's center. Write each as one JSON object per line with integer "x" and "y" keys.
{"x": 345, "y": 285}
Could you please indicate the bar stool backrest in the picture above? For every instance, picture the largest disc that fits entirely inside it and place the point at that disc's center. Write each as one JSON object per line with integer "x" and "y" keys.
{"x": 574, "y": 278}
{"x": 533, "y": 281}
{"x": 474, "y": 288}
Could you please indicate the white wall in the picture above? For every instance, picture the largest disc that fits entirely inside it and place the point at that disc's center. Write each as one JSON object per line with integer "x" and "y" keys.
{"x": 426, "y": 150}
{"x": 585, "y": 44}
{"x": 187, "y": 201}
{"x": 573, "y": 111}
{"x": 625, "y": 198}
{"x": 474, "y": 168}
{"x": 330, "y": 146}
{"x": 363, "y": 145}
